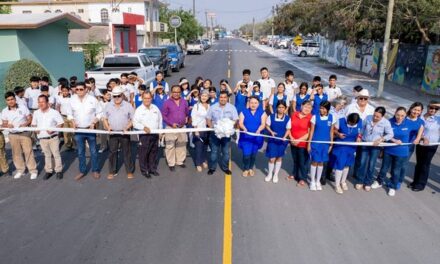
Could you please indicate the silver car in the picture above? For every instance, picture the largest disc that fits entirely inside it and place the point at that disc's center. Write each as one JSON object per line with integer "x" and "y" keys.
{"x": 306, "y": 49}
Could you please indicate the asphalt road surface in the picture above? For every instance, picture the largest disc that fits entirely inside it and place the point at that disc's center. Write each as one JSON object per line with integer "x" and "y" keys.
{"x": 182, "y": 217}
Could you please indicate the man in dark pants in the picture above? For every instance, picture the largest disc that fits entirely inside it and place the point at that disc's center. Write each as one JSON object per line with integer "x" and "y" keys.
{"x": 118, "y": 116}
{"x": 146, "y": 118}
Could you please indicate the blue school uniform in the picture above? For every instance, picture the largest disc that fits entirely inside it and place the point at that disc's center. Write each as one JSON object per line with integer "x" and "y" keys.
{"x": 163, "y": 83}
{"x": 276, "y": 99}
{"x": 185, "y": 93}
{"x": 275, "y": 147}
{"x": 402, "y": 133}
{"x": 213, "y": 100}
{"x": 137, "y": 100}
{"x": 247, "y": 143}
{"x": 260, "y": 98}
{"x": 319, "y": 151}
{"x": 300, "y": 100}
{"x": 344, "y": 155}
{"x": 317, "y": 101}
{"x": 240, "y": 102}
{"x": 159, "y": 100}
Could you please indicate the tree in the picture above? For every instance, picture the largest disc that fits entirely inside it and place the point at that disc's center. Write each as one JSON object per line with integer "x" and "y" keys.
{"x": 190, "y": 28}
{"x": 5, "y": 9}
{"x": 91, "y": 52}
{"x": 21, "y": 71}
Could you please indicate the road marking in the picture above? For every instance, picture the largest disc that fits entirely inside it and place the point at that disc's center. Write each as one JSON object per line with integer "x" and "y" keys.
{"x": 229, "y": 73}
{"x": 230, "y": 51}
{"x": 227, "y": 220}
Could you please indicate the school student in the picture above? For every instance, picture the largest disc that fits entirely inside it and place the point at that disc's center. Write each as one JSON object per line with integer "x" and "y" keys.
{"x": 332, "y": 90}
{"x": 321, "y": 130}
{"x": 252, "y": 119}
{"x": 160, "y": 82}
{"x": 319, "y": 97}
{"x": 241, "y": 97}
{"x": 395, "y": 156}
{"x": 343, "y": 156}
{"x": 280, "y": 95}
{"x": 256, "y": 92}
{"x": 184, "y": 86}
{"x": 138, "y": 97}
{"x": 213, "y": 95}
{"x": 301, "y": 96}
{"x": 278, "y": 125}
{"x": 290, "y": 84}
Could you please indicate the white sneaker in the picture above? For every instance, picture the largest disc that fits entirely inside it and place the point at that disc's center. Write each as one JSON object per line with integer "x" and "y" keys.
{"x": 34, "y": 176}
{"x": 376, "y": 185}
{"x": 275, "y": 179}
{"x": 312, "y": 186}
{"x": 268, "y": 178}
{"x": 344, "y": 186}
{"x": 392, "y": 192}
{"x": 338, "y": 190}
{"x": 18, "y": 175}
{"x": 318, "y": 186}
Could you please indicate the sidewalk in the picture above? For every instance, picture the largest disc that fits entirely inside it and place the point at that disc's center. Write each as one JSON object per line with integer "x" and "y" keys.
{"x": 393, "y": 96}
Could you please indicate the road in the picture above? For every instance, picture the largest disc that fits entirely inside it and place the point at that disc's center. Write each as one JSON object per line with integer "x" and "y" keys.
{"x": 179, "y": 217}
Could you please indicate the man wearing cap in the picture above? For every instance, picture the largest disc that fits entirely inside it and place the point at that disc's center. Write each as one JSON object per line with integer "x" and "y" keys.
{"x": 361, "y": 106}
{"x": 175, "y": 112}
{"x": 46, "y": 117}
{"x": 118, "y": 116}
{"x": 85, "y": 110}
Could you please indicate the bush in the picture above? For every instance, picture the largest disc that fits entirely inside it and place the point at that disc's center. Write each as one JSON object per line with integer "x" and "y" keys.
{"x": 21, "y": 71}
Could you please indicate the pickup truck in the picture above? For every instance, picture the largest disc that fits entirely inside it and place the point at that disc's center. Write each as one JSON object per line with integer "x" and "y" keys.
{"x": 114, "y": 65}
{"x": 195, "y": 46}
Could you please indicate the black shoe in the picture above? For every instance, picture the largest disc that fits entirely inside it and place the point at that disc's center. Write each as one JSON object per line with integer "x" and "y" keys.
{"x": 172, "y": 168}
{"x": 47, "y": 175}
{"x": 182, "y": 165}
{"x": 59, "y": 175}
{"x": 411, "y": 185}
{"x": 146, "y": 175}
{"x": 415, "y": 189}
{"x": 155, "y": 173}
{"x": 211, "y": 171}
{"x": 228, "y": 172}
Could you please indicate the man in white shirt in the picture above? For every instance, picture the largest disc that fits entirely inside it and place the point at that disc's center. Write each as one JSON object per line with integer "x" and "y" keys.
{"x": 31, "y": 93}
{"x": 19, "y": 96}
{"x": 47, "y": 117}
{"x": 267, "y": 85}
{"x": 62, "y": 102}
{"x": 290, "y": 84}
{"x": 147, "y": 117}
{"x": 361, "y": 107}
{"x": 332, "y": 90}
{"x": 15, "y": 116}
{"x": 246, "y": 79}
{"x": 85, "y": 110}
{"x": 4, "y": 166}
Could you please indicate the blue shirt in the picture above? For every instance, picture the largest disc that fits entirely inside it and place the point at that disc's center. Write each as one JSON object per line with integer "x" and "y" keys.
{"x": 432, "y": 127}
{"x": 216, "y": 112}
{"x": 401, "y": 132}
{"x": 414, "y": 126}
{"x": 372, "y": 132}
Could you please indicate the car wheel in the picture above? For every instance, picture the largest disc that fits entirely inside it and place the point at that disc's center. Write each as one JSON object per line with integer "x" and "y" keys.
{"x": 182, "y": 65}
{"x": 166, "y": 73}
{"x": 177, "y": 68}
{"x": 303, "y": 54}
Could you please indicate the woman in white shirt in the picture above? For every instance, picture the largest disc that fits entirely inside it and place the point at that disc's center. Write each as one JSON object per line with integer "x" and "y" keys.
{"x": 200, "y": 139}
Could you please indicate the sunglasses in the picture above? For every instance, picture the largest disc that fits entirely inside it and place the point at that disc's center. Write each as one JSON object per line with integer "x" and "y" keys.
{"x": 433, "y": 108}
{"x": 117, "y": 96}
{"x": 363, "y": 98}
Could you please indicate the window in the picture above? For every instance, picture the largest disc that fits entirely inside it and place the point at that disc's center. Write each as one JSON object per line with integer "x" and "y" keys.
{"x": 129, "y": 10}
{"x": 47, "y": 11}
{"x": 104, "y": 15}
{"x": 58, "y": 11}
{"x": 27, "y": 12}
{"x": 80, "y": 11}
{"x": 145, "y": 61}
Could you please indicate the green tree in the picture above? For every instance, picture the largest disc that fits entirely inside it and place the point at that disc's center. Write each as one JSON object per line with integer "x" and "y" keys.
{"x": 21, "y": 71}
{"x": 91, "y": 52}
{"x": 5, "y": 9}
{"x": 189, "y": 29}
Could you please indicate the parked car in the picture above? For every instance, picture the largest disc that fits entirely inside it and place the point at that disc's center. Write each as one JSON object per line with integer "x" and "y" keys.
{"x": 158, "y": 55}
{"x": 114, "y": 65}
{"x": 208, "y": 41}
{"x": 205, "y": 44}
{"x": 283, "y": 43}
{"x": 306, "y": 49}
{"x": 195, "y": 46}
{"x": 176, "y": 56}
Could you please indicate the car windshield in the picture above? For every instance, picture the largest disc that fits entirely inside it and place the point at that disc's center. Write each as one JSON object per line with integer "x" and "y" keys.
{"x": 152, "y": 52}
{"x": 172, "y": 48}
{"x": 194, "y": 42}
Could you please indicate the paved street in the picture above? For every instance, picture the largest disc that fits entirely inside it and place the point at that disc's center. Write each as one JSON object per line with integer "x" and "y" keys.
{"x": 179, "y": 217}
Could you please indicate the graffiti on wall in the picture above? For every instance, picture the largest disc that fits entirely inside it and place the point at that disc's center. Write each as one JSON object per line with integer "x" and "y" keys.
{"x": 431, "y": 78}
{"x": 410, "y": 65}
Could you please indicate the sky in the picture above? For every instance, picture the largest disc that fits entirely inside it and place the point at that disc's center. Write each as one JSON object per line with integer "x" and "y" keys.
{"x": 229, "y": 13}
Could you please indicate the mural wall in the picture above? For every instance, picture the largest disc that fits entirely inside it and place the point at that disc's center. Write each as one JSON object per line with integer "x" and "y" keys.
{"x": 416, "y": 66}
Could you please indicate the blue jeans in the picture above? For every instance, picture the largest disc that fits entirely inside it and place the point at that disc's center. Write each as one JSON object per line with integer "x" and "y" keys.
{"x": 300, "y": 158}
{"x": 368, "y": 163}
{"x": 397, "y": 165}
{"x": 219, "y": 147}
{"x": 249, "y": 161}
{"x": 81, "y": 139}
{"x": 405, "y": 166}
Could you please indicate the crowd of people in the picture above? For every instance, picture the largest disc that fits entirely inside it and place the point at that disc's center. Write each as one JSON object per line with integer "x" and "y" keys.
{"x": 311, "y": 119}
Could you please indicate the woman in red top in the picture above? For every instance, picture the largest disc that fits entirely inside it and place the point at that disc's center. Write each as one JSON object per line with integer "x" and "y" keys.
{"x": 300, "y": 129}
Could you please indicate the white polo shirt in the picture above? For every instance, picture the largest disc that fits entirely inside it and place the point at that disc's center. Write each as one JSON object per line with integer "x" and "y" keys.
{"x": 332, "y": 93}
{"x": 354, "y": 108}
{"x": 128, "y": 89}
{"x": 291, "y": 89}
{"x": 84, "y": 111}
{"x": 48, "y": 119}
{"x": 266, "y": 87}
{"x": 16, "y": 116}
{"x": 64, "y": 103}
{"x": 31, "y": 96}
{"x": 144, "y": 117}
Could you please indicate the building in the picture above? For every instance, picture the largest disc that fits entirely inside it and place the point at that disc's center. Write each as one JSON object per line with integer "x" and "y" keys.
{"x": 128, "y": 21}
{"x": 42, "y": 38}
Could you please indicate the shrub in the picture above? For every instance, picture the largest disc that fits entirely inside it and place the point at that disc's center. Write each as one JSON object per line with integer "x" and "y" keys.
{"x": 21, "y": 71}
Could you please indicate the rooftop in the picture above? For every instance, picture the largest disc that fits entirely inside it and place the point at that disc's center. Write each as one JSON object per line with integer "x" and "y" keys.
{"x": 69, "y": 2}
{"x": 32, "y": 21}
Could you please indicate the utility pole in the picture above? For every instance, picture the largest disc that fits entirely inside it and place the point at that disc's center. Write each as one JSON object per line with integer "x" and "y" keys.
{"x": 273, "y": 23}
{"x": 212, "y": 27}
{"x": 207, "y": 28}
{"x": 151, "y": 24}
{"x": 386, "y": 45}
{"x": 253, "y": 29}
{"x": 194, "y": 8}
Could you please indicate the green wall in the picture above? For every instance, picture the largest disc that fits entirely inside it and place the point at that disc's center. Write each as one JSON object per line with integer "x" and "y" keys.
{"x": 9, "y": 53}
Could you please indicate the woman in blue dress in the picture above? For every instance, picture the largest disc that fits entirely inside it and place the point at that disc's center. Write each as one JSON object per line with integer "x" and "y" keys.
{"x": 300, "y": 97}
{"x": 278, "y": 125}
{"x": 321, "y": 130}
{"x": 252, "y": 119}
{"x": 342, "y": 156}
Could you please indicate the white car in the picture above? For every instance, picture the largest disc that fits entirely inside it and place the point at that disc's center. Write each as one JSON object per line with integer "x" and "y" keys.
{"x": 195, "y": 46}
{"x": 306, "y": 49}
